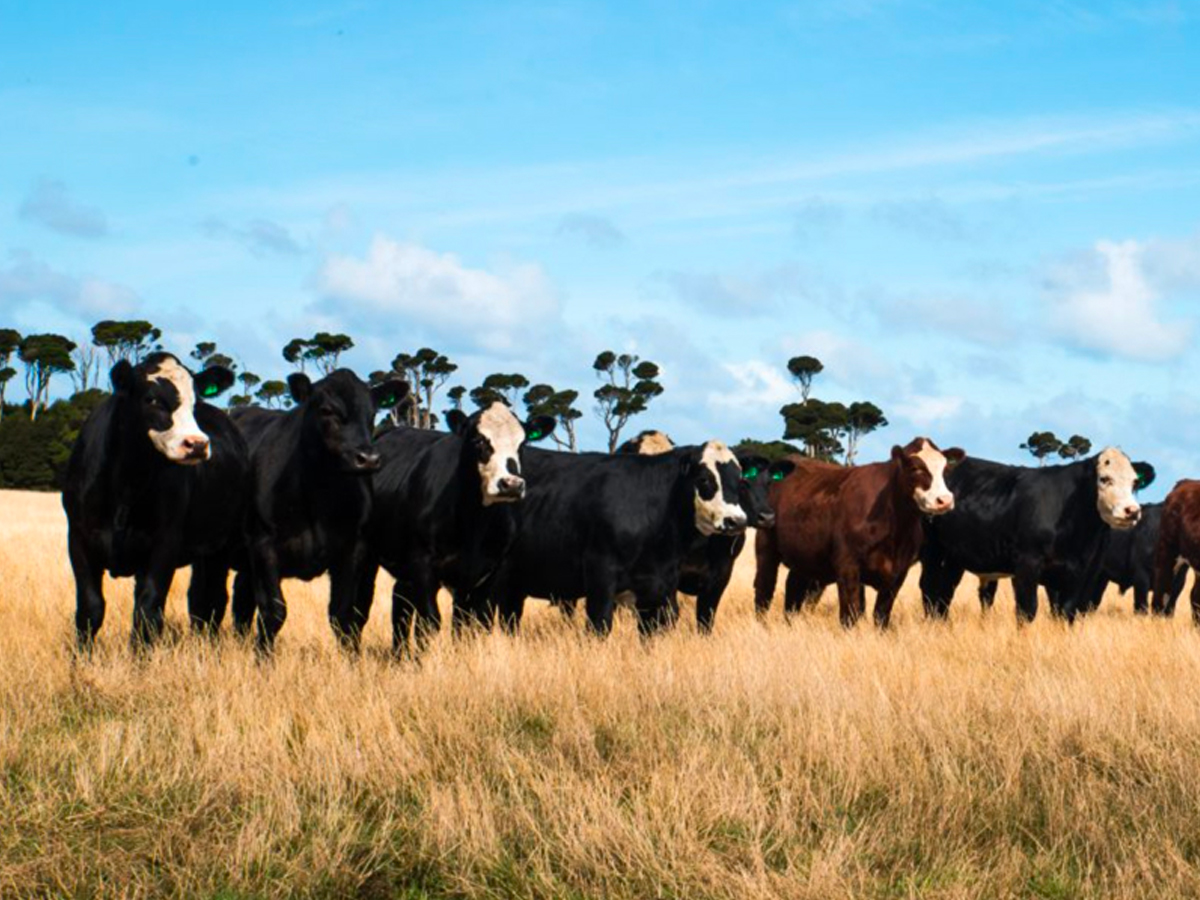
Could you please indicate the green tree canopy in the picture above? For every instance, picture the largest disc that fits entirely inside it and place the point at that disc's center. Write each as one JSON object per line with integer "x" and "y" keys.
{"x": 131, "y": 340}
{"x": 630, "y": 384}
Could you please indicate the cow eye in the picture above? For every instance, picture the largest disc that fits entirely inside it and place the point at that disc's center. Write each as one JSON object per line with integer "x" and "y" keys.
{"x": 328, "y": 412}
{"x": 1106, "y": 480}
{"x": 750, "y": 474}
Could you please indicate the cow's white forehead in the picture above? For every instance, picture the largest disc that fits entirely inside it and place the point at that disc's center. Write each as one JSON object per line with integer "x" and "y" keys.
{"x": 1112, "y": 461}
{"x": 498, "y": 424}
{"x": 715, "y": 452}
{"x": 170, "y": 369}
{"x": 931, "y": 456}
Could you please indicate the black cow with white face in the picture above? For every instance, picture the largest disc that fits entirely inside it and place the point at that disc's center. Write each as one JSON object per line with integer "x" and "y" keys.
{"x": 311, "y": 498}
{"x": 1040, "y": 526}
{"x": 156, "y": 481}
{"x": 708, "y": 563}
{"x": 594, "y": 525}
{"x": 1127, "y": 562}
{"x": 444, "y": 514}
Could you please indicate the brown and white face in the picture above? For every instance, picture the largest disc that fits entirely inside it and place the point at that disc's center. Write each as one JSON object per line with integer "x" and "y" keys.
{"x": 718, "y": 480}
{"x": 1116, "y": 480}
{"x": 925, "y": 469}
{"x": 164, "y": 396}
{"x": 494, "y": 437}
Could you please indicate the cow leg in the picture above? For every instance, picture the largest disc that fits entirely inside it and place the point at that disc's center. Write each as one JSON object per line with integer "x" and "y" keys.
{"x": 243, "y": 602}
{"x": 656, "y": 603}
{"x": 365, "y": 598}
{"x": 601, "y": 598}
{"x": 208, "y": 594}
{"x": 799, "y": 592}
{"x": 1196, "y": 603}
{"x": 939, "y": 581}
{"x": 149, "y": 601}
{"x": 268, "y": 595}
{"x": 510, "y": 610}
{"x": 1025, "y": 587}
{"x": 344, "y": 576}
{"x": 89, "y": 593}
{"x": 885, "y": 599}
{"x": 1178, "y": 580}
{"x": 414, "y": 609}
{"x": 987, "y": 593}
{"x": 567, "y": 607}
{"x": 850, "y": 597}
{"x": 766, "y": 574}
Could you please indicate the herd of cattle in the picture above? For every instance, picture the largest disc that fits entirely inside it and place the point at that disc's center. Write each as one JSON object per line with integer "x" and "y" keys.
{"x": 160, "y": 479}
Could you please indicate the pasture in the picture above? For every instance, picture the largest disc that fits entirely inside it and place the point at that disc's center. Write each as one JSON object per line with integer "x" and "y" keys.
{"x": 968, "y": 759}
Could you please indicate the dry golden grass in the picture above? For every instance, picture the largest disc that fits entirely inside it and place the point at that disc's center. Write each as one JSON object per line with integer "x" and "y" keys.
{"x": 960, "y": 760}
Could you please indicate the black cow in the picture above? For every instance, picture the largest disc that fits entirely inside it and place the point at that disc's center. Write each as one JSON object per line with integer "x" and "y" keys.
{"x": 708, "y": 563}
{"x": 1042, "y": 526}
{"x": 1127, "y": 562}
{"x": 311, "y": 498}
{"x": 594, "y": 525}
{"x": 443, "y": 514}
{"x": 155, "y": 481}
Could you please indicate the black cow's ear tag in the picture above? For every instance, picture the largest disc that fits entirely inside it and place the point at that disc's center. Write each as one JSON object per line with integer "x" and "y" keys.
{"x": 750, "y": 474}
{"x": 210, "y": 390}
{"x": 388, "y": 402}
{"x": 778, "y": 476}
{"x": 534, "y": 435}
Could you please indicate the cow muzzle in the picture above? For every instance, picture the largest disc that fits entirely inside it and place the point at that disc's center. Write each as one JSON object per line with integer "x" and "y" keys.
{"x": 508, "y": 489}
{"x": 935, "y": 504}
{"x": 766, "y": 520}
{"x": 1124, "y": 518}
{"x": 365, "y": 461}
{"x": 193, "y": 450}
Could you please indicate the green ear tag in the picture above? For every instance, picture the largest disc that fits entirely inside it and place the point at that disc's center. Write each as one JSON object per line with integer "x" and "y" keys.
{"x": 210, "y": 390}
{"x": 388, "y": 402}
{"x": 750, "y": 474}
{"x": 777, "y": 476}
{"x": 535, "y": 436}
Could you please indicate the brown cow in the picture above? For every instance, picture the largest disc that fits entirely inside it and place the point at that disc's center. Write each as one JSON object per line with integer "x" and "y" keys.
{"x": 1178, "y": 545}
{"x": 853, "y": 527}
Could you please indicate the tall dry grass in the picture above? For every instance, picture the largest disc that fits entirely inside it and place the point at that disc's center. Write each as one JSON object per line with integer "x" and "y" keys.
{"x": 961, "y": 760}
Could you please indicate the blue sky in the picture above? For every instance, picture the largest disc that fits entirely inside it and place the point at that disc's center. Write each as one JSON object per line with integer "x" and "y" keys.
{"x": 985, "y": 218}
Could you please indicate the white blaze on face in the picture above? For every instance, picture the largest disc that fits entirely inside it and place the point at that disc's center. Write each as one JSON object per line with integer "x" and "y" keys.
{"x": 501, "y": 482}
{"x": 1115, "y": 478}
{"x": 175, "y": 443}
{"x": 715, "y": 515}
{"x": 937, "y": 498}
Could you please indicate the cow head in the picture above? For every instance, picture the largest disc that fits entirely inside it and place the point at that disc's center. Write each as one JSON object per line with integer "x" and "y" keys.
{"x": 758, "y": 474}
{"x": 493, "y": 438}
{"x": 648, "y": 443}
{"x": 339, "y": 410}
{"x": 922, "y": 468}
{"x": 162, "y": 395}
{"x": 1116, "y": 480}
{"x": 716, "y": 491}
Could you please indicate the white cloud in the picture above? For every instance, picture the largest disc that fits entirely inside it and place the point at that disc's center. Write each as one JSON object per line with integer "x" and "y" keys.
{"x": 30, "y": 280}
{"x": 436, "y": 290}
{"x": 756, "y": 385}
{"x": 738, "y": 295}
{"x": 1105, "y": 301}
{"x": 925, "y": 411}
{"x": 49, "y": 204}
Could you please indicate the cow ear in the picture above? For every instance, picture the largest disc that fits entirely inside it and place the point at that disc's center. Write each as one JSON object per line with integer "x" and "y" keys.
{"x": 954, "y": 456}
{"x": 751, "y": 465}
{"x": 539, "y": 427}
{"x": 456, "y": 421}
{"x": 212, "y": 381}
{"x": 299, "y": 386}
{"x": 121, "y": 377}
{"x": 781, "y": 469}
{"x": 390, "y": 393}
{"x": 897, "y": 454}
{"x": 1145, "y": 475}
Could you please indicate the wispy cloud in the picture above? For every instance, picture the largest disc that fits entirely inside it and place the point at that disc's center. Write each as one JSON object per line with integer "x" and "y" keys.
{"x": 598, "y": 231}
{"x": 27, "y": 279}
{"x": 49, "y": 204}
{"x": 262, "y": 237}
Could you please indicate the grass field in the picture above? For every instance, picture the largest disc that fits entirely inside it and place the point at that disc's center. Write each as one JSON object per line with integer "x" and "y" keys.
{"x": 966, "y": 759}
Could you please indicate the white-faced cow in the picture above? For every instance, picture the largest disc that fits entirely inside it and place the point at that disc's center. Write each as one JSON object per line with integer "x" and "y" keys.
{"x": 156, "y": 481}
{"x": 311, "y": 498}
{"x": 855, "y": 527}
{"x": 594, "y": 525}
{"x": 1040, "y": 526}
{"x": 444, "y": 514}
